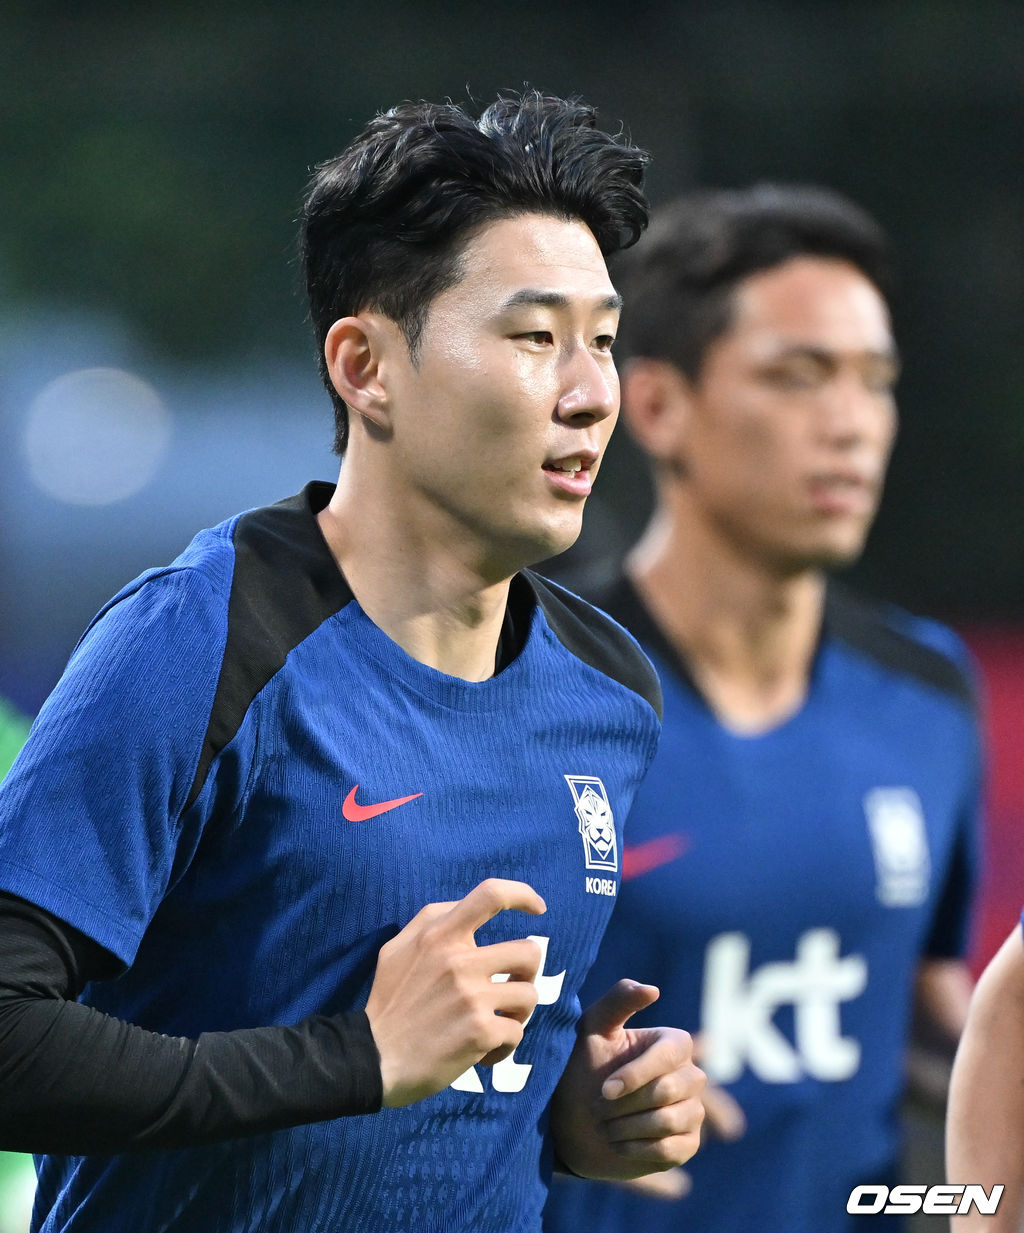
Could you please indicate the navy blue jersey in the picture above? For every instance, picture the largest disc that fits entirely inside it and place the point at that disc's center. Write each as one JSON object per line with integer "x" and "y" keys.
{"x": 202, "y": 795}
{"x": 781, "y": 889}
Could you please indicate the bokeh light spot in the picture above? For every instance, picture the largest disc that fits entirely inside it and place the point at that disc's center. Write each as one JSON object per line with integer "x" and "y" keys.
{"x": 96, "y": 436}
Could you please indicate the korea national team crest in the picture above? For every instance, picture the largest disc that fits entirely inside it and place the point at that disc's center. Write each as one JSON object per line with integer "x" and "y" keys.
{"x": 597, "y": 823}
{"x": 900, "y": 842}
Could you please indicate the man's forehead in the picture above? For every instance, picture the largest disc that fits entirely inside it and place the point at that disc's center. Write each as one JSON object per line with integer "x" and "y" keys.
{"x": 536, "y": 252}
{"x": 809, "y": 286}
{"x": 813, "y": 302}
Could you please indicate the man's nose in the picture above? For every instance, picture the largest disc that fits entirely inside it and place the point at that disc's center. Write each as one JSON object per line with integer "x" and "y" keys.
{"x": 591, "y": 387}
{"x": 853, "y": 412}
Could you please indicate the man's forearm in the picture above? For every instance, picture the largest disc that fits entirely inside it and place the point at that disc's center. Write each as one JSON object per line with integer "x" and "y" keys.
{"x": 73, "y": 1080}
{"x": 985, "y": 1120}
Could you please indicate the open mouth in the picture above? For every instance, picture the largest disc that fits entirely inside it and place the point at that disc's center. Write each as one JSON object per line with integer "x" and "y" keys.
{"x": 568, "y": 466}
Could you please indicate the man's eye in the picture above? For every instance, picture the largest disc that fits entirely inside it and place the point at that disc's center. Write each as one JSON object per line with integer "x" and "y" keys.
{"x": 604, "y": 342}
{"x": 795, "y": 376}
{"x": 543, "y": 338}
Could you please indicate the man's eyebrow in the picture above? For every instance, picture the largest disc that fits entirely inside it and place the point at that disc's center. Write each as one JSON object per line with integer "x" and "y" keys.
{"x": 554, "y": 299}
{"x": 825, "y": 355}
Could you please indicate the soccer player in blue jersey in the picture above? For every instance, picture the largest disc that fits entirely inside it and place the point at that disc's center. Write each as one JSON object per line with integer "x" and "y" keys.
{"x": 312, "y": 846}
{"x": 798, "y": 866}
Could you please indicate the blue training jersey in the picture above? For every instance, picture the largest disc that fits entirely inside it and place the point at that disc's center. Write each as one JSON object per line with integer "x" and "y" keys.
{"x": 182, "y": 801}
{"x": 781, "y": 889}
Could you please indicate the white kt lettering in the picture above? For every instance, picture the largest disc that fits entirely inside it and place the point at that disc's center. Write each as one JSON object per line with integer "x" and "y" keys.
{"x": 739, "y": 1006}
{"x": 508, "y": 1075}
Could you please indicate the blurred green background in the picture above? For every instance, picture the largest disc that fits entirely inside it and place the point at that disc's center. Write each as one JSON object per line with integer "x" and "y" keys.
{"x": 17, "y": 1185}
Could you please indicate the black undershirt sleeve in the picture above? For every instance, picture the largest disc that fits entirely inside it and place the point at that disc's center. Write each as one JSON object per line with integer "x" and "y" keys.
{"x": 74, "y": 1080}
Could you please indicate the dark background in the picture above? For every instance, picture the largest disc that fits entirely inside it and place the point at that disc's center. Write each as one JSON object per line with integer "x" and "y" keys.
{"x": 151, "y": 162}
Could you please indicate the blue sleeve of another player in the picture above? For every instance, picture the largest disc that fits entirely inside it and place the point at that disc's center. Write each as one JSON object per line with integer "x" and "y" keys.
{"x": 90, "y": 814}
{"x": 950, "y": 933}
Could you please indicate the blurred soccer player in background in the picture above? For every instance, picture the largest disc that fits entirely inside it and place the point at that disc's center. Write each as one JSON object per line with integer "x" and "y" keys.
{"x": 281, "y": 819}
{"x": 799, "y": 861}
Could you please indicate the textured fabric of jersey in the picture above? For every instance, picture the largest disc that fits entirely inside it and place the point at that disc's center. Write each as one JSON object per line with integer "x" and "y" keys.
{"x": 187, "y": 783}
{"x": 780, "y": 889}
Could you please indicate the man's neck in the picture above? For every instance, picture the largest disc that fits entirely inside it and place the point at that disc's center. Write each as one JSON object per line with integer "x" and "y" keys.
{"x": 414, "y": 585}
{"x": 748, "y": 634}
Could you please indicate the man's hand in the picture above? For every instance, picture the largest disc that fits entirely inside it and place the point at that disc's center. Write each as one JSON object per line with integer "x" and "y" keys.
{"x": 434, "y": 1010}
{"x": 723, "y": 1119}
{"x": 629, "y": 1101}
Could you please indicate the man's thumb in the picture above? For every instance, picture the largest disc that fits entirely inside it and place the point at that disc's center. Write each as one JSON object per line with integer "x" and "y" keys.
{"x": 623, "y": 1000}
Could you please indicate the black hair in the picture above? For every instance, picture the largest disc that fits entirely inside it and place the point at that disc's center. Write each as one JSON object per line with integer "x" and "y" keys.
{"x": 678, "y": 284}
{"x": 384, "y": 224}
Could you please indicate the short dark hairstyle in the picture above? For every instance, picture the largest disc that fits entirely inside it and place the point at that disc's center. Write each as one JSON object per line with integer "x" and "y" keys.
{"x": 384, "y": 224}
{"x": 678, "y": 283}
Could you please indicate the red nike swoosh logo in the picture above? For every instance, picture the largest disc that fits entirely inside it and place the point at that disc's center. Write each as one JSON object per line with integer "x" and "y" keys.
{"x": 360, "y": 813}
{"x": 652, "y": 854}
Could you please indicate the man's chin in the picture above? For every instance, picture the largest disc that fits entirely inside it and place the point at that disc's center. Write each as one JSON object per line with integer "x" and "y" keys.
{"x": 523, "y": 552}
{"x": 556, "y": 543}
{"x": 539, "y": 543}
{"x": 829, "y": 557}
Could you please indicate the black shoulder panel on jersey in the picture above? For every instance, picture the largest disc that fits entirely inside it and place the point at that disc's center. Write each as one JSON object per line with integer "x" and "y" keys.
{"x": 599, "y": 642}
{"x": 285, "y": 585}
{"x": 621, "y": 600}
{"x": 862, "y": 624}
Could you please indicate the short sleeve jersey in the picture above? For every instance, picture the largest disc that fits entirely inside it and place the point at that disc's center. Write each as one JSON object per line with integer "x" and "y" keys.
{"x": 781, "y": 890}
{"x": 242, "y": 788}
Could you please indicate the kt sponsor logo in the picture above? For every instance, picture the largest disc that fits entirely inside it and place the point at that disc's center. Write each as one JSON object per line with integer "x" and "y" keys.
{"x": 740, "y": 1006}
{"x": 508, "y": 1075}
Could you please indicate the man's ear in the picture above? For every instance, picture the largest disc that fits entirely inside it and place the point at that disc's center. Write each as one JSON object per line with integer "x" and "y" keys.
{"x": 354, "y": 349}
{"x": 657, "y": 402}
